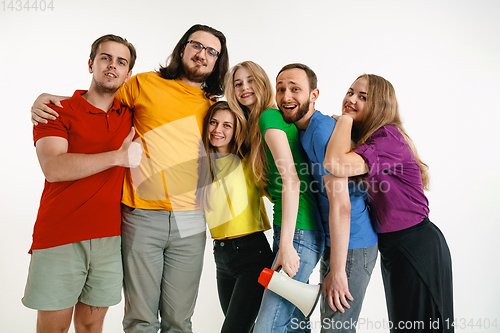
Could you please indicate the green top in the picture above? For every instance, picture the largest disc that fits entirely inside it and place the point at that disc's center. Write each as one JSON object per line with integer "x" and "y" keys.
{"x": 307, "y": 216}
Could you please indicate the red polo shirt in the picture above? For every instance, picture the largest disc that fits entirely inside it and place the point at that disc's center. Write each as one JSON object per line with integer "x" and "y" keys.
{"x": 86, "y": 208}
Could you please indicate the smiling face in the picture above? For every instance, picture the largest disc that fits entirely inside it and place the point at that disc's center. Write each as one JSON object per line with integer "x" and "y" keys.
{"x": 197, "y": 64}
{"x": 221, "y": 130}
{"x": 293, "y": 94}
{"x": 110, "y": 67}
{"x": 243, "y": 87}
{"x": 354, "y": 103}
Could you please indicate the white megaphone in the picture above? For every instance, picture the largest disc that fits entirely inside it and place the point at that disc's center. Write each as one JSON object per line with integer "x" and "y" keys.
{"x": 304, "y": 296}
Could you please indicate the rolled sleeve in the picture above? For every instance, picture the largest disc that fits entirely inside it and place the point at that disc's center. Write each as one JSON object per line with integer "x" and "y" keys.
{"x": 52, "y": 128}
{"x": 369, "y": 154}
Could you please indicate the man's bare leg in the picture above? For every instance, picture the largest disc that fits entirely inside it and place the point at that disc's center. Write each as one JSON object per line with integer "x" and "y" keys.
{"x": 89, "y": 319}
{"x": 57, "y": 321}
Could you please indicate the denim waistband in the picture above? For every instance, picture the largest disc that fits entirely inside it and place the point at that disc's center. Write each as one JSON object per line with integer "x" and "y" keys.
{"x": 235, "y": 242}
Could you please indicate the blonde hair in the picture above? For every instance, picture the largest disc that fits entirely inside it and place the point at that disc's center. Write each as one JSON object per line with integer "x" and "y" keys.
{"x": 207, "y": 173}
{"x": 382, "y": 110}
{"x": 264, "y": 94}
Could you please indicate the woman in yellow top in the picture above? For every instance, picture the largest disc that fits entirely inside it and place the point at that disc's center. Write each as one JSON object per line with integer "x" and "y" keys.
{"x": 235, "y": 215}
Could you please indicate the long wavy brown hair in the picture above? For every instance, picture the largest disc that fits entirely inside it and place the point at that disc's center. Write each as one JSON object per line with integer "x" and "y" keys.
{"x": 214, "y": 85}
{"x": 264, "y": 93}
{"x": 207, "y": 172}
{"x": 381, "y": 110}
{"x": 240, "y": 129}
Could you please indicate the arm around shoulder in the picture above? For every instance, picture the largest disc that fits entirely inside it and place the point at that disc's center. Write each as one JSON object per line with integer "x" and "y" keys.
{"x": 41, "y": 113}
{"x": 340, "y": 160}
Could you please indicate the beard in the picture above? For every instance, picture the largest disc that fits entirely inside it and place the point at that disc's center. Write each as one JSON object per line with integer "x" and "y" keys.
{"x": 194, "y": 74}
{"x": 301, "y": 112}
{"x": 103, "y": 89}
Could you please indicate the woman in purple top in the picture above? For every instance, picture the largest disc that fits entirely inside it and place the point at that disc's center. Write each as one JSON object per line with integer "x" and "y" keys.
{"x": 415, "y": 259}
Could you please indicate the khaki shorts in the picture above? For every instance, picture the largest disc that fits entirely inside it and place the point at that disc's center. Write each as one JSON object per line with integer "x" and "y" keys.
{"x": 89, "y": 271}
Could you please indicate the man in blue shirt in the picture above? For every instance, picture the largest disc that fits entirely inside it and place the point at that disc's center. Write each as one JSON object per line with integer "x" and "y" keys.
{"x": 351, "y": 244}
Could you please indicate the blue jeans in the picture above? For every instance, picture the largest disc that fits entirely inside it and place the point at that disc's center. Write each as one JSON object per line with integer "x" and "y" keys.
{"x": 275, "y": 311}
{"x": 299, "y": 323}
{"x": 359, "y": 267}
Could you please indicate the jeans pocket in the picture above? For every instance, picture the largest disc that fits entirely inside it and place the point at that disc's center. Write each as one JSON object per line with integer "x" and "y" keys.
{"x": 350, "y": 262}
{"x": 252, "y": 248}
{"x": 314, "y": 240}
{"x": 370, "y": 254}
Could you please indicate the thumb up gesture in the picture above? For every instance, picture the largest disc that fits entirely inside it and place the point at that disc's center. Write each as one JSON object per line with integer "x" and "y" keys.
{"x": 131, "y": 152}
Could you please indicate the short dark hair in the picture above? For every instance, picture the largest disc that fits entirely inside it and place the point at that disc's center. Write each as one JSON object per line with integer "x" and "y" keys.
{"x": 117, "y": 39}
{"x": 214, "y": 85}
{"x": 313, "y": 79}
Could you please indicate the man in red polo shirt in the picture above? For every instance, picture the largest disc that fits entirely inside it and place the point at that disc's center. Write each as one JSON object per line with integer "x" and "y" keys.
{"x": 76, "y": 261}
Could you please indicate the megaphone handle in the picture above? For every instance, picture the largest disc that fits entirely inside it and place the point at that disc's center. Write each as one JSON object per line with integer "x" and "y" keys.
{"x": 279, "y": 269}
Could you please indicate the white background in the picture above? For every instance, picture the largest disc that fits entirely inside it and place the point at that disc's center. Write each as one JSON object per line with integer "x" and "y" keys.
{"x": 441, "y": 56}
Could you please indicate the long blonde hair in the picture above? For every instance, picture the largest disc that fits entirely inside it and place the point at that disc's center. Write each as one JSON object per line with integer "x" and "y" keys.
{"x": 264, "y": 94}
{"x": 382, "y": 110}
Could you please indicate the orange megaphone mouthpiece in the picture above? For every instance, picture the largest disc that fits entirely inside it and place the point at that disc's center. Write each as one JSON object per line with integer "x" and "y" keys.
{"x": 304, "y": 296}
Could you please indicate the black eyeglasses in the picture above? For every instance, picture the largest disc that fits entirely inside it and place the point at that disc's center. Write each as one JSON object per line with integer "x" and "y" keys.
{"x": 199, "y": 46}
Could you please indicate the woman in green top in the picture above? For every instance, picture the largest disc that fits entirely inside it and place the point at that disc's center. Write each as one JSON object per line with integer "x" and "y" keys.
{"x": 278, "y": 162}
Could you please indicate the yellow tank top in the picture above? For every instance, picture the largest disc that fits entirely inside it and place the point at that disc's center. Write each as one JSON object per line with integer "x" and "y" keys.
{"x": 236, "y": 205}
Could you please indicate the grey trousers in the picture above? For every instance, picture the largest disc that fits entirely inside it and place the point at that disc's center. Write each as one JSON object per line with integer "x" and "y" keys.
{"x": 162, "y": 262}
{"x": 359, "y": 267}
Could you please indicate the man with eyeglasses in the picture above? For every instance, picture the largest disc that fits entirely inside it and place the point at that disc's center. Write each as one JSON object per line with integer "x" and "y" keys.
{"x": 163, "y": 229}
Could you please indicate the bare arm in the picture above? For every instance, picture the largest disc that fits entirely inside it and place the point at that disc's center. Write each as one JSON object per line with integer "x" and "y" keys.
{"x": 58, "y": 165}
{"x": 335, "y": 285}
{"x": 40, "y": 112}
{"x": 280, "y": 149}
{"x": 340, "y": 160}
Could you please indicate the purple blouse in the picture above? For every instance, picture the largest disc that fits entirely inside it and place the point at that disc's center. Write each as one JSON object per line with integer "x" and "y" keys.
{"x": 396, "y": 193}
